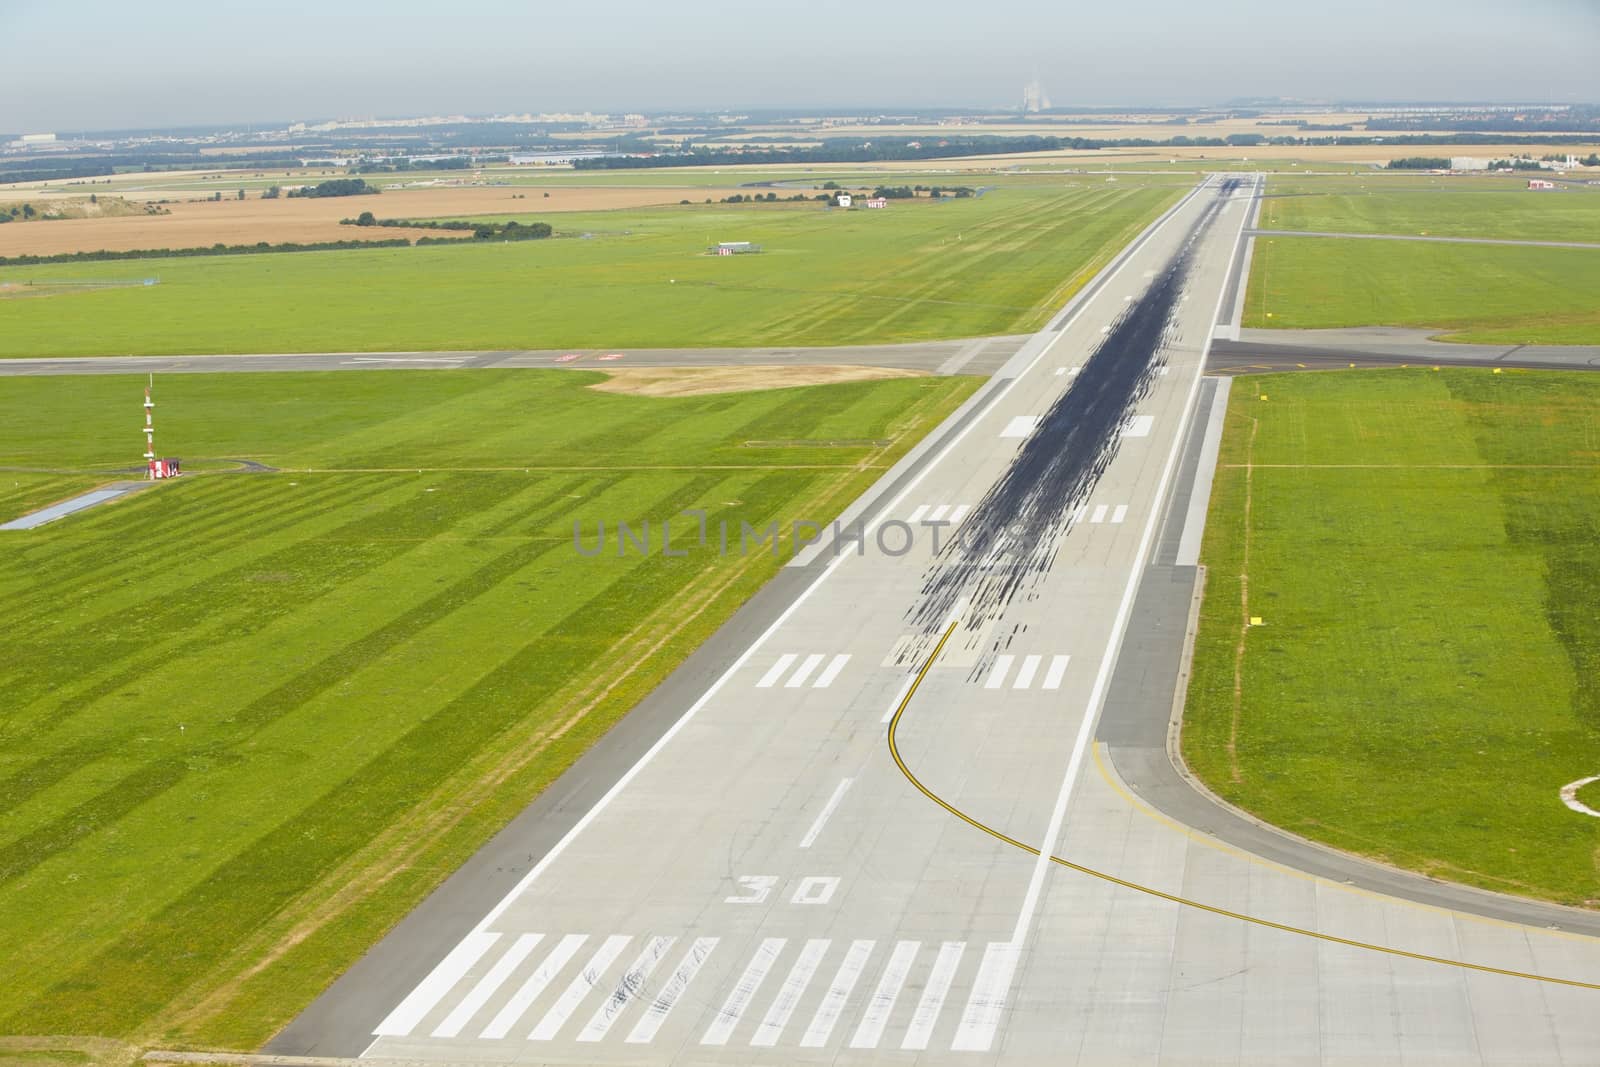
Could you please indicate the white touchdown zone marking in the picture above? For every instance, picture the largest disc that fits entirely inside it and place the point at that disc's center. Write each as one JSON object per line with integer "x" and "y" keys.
{"x": 798, "y": 678}
{"x": 826, "y": 813}
{"x": 997, "y": 674}
{"x": 775, "y": 672}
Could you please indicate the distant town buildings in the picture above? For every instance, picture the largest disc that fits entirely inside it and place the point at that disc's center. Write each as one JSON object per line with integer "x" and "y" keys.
{"x": 877, "y": 201}
{"x": 734, "y": 248}
{"x": 1540, "y": 183}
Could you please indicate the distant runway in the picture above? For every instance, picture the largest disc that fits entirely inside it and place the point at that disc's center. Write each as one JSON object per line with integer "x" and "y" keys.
{"x": 1440, "y": 239}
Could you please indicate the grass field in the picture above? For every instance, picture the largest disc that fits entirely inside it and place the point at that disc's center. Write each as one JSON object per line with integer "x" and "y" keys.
{"x": 1481, "y": 293}
{"x": 251, "y": 719}
{"x": 1452, "y": 207}
{"x": 984, "y": 265}
{"x": 1423, "y": 549}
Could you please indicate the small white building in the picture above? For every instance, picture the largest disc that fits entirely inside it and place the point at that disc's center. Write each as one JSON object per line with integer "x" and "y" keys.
{"x": 877, "y": 201}
{"x": 845, "y": 200}
{"x": 1540, "y": 183}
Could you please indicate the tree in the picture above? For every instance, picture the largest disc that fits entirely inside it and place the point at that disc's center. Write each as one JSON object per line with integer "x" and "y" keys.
{"x": 241, "y": 194}
{"x": 27, "y": 211}
{"x": 366, "y": 218}
{"x": 271, "y": 193}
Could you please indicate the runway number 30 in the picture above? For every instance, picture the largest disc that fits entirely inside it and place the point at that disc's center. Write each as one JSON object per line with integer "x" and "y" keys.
{"x": 816, "y": 889}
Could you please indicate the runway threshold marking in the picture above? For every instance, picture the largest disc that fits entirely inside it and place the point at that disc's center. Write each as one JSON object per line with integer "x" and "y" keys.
{"x": 1255, "y": 920}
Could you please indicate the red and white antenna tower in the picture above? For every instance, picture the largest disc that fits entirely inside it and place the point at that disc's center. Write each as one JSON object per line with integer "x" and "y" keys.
{"x": 150, "y": 428}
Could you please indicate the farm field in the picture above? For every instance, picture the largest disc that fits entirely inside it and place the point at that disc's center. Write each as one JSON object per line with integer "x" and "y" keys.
{"x": 197, "y": 223}
{"x": 1492, "y": 294}
{"x": 226, "y": 772}
{"x": 919, "y": 270}
{"x": 1420, "y": 547}
{"x": 1454, "y": 207}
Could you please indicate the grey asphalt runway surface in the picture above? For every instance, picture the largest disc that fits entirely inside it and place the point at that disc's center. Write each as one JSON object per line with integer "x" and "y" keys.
{"x": 1257, "y": 351}
{"x": 832, "y": 837}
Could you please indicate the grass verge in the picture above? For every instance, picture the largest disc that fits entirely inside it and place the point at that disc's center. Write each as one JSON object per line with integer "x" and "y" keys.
{"x": 252, "y": 719}
{"x": 1423, "y": 551}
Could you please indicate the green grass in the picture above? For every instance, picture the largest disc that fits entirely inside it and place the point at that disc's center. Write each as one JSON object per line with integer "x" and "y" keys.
{"x": 1423, "y": 549}
{"x": 987, "y": 265}
{"x": 1455, "y": 207}
{"x": 250, "y": 720}
{"x": 1476, "y": 293}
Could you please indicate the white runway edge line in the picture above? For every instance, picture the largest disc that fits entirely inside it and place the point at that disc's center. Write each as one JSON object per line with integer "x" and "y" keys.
{"x": 755, "y": 646}
{"x": 977, "y": 1029}
{"x": 827, "y": 810}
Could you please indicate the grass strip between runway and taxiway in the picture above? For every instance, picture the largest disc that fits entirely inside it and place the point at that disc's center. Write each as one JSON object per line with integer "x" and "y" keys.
{"x": 252, "y": 719}
{"x": 1173, "y": 898}
{"x": 1398, "y": 652}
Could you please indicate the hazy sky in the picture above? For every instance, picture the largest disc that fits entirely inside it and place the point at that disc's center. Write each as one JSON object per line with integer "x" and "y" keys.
{"x": 90, "y": 64}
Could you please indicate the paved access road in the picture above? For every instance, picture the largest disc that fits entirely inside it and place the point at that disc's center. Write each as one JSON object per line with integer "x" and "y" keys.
{"x": 771, "y": 882}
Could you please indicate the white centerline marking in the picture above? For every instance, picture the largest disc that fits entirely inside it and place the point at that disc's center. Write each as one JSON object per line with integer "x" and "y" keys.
{"x": 870, "y": 1032}
{"x": 440, "y": 981}
{"x": 1030, "y": 666}
{"x": 463, "y": 1012}
{"x": 831, "y": 671}
{"x": 894, "y": 706}
{"x": 524, "y": 997}
{"x": 579, "y": 987}
{"x": 798, "y": 678}
{"x": 775, "y": 672}
{"x": 790, "y": 992}
{"x": 644, "y": 1031}
{"x": 826, "y": 812}
{"x": 997, "y": 675}
{"x": 1058, "y": 667}
{"x": 833, "y": 1002}
{"x": 627, "y": 988}
{"x": 928, "y": 1008}
{"x": 744, "y": 991}
{"x": 1119, "y": 626}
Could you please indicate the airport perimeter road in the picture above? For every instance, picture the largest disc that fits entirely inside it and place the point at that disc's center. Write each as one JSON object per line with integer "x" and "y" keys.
{"x": 829, "y": 855}
{"x": 977, "y": 355}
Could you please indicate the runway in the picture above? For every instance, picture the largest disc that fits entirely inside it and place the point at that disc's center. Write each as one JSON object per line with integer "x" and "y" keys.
{"x": 749, "y": 871}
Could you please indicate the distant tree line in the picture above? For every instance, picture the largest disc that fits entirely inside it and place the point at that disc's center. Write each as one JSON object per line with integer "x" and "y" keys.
{"x": 481, "y": 231}
{"x": 210, "y": 250}
{"x": 1420, "y": 163}
{"x": 336, "y": 187}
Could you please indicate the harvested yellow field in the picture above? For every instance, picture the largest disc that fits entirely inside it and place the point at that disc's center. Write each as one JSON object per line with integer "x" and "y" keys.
{"x": 201, "y": 223}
